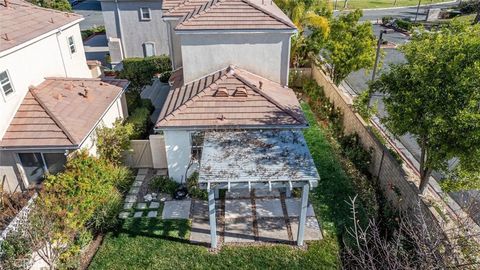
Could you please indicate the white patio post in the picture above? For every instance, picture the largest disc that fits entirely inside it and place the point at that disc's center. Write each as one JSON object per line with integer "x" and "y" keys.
{"x": 213, "y": 220}
{"x": 303, "y": 215}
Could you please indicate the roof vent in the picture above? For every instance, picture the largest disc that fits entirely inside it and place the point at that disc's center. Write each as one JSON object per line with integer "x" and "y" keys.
{"x": 221, "y": 92}
{"x": 85, "y": 92}
{"x": 240, "y": 92}
{"x": 5, "y": 37}
{"x": 260, "y": 84}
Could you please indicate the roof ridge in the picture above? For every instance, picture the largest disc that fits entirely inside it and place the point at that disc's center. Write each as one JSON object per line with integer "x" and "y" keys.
{"x": 265, "y": 95}
{"x": 55, "y": 119}
{"x": 268, "y": 12}
{"x": 222, "y": 77}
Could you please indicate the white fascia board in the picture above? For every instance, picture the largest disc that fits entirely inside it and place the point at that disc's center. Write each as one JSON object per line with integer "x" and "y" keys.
{"x": 38, "y": 38}
{"x": 212, "y": 128}
{"x": 232, "y": 31}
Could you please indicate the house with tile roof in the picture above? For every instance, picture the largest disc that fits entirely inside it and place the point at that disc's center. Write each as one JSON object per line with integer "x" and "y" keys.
{"x": 231, "y": 65}
{"x": 50, "y": 104}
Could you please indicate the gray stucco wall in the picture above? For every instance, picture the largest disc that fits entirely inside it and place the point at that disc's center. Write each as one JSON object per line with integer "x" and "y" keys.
{"x": 176, "y": 47}
{"x": 265, "y": 54}
{"x": 135, "y": 31}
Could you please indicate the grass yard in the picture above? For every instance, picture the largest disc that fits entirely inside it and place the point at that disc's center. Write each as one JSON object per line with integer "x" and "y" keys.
{"x": 156, "y": 244}
{"x": 362, "y": 4}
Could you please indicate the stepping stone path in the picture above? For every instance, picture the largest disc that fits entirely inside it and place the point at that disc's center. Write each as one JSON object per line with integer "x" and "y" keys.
{"x": 154, "y": 205}
{"x": 152, "y": 214}
{"x": 131, "y": 198}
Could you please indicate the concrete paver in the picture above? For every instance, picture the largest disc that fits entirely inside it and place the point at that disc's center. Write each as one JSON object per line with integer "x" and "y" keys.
{"x": 239, "y": 231}
{"x": 312, "y": 229}
{"x": 268, "y": 208}
{"x": 293, "y": 208}
{"x": 176, "y": 209}
{"x": 272, "y": 230}
{"x": 238, "y": 208}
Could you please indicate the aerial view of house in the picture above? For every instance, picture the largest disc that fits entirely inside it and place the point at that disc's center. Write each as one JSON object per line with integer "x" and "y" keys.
{"x": 239, "y": 134}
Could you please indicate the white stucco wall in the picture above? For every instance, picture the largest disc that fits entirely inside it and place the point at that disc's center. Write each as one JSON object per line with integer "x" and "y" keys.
{"x": 134, "y": 31}
{"x": 29, "y": 66}
{"x": 115, "y": 112}
{"x": 178, "y": 149}
{"x": 265, "y": 54}
{"x": 176, "y": 49}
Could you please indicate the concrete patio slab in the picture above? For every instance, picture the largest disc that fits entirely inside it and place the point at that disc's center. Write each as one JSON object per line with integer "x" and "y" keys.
{"x": 152, "y": 214}
{"x": 154, "y": 205}
{"x": 293, "y": 208}
{"x": 238, "y": 208}
{"x": 239, "y": 230}
{"x": 138, "y": 214}
{"x": 272, "y": 230}
{"x": 127, "y": 206}
{"x": 200, "y": 232}
{"x": 124, "y": 215}
{"x": 139, "y": 177}
{"x": 176, "y": 209}
{"x": 312, "y": 229}
{"x": 268, "y": 208}
{"x": 237, "y": 194}
{"x": 143, "y": 171}
{"x": 141, "y": 206}
{"x": 262, "y": 193}
{"x": 131, "y": 198}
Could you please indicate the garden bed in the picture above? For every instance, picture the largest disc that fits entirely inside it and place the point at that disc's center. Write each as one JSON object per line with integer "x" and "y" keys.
{"x": 11, "y": 204}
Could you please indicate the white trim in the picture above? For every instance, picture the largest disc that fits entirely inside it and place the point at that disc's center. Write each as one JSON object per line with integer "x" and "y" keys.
{"x": 12, "y": 94}
{"x": 288, "y": 59}
{"x": 70, "y": 45}
{"x": 144, "y": 45}
{"x": 38, "y": 38}
{"x": 142, "y": 18}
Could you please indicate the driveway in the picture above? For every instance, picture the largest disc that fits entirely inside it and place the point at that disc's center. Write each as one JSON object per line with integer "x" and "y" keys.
{"x": 91, "y": 10}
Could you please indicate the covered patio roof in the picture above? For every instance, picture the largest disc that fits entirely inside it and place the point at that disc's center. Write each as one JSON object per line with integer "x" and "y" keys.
{"x": 246, "y": 159}
{"x": 258, "y": 159}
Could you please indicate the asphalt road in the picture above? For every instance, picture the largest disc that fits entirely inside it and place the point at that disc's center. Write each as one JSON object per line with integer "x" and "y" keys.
{"x": 91, "y": 10}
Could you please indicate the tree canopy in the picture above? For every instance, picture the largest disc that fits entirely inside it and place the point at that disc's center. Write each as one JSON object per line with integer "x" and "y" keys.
{"x": 62, "y": 5}
{"x": 350, "y": 45}
{"x": 435, "y": 96}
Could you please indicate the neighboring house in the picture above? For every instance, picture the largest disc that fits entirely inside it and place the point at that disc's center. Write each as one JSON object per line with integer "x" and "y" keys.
{"x": 134, "y": 28}
{"x": 50, "y": 105}
{"x": 231, "y": 61}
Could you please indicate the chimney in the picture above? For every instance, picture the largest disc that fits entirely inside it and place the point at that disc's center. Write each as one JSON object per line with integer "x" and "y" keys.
{"x": 221, "y": 92}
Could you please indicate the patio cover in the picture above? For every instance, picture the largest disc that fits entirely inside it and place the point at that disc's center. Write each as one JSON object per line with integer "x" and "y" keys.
{"x": 259, "y": 159}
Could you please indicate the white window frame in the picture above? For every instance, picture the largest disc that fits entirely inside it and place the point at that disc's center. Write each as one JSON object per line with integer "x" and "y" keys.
{"x": 71, "y": 46}
{"x": 142, "y": 18}
{"x": 144, "y": 45}
{"x": 9, "y": 80}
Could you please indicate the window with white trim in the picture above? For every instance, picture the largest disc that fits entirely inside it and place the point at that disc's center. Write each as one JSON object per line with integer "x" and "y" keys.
{"x": 148, "y": 49}
{"x": 6, "y": 84}
{"x": 71, "y": 44}
{"x": 145, "y": 14}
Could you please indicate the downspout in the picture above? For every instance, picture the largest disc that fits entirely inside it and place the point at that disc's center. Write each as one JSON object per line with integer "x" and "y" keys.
{"x": 288, "y": 59}
{"x": 120, "y": 30}
{"x": 61, "y": 53}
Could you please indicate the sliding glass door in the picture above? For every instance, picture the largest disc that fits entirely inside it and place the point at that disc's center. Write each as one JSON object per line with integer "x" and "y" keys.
{"x": 36, "y": 165}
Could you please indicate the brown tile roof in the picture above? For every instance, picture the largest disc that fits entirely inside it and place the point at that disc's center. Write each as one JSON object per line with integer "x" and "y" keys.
{"x": 21, "y": 21}
{"x": 229, "y": 14}
{"x": 202, "y": 103}
{"x": 56, "y": 113}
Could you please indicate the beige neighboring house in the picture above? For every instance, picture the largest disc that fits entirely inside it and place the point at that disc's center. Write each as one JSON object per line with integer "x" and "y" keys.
{"x": 231, "y": 61}
{"x": 50, "y": 104}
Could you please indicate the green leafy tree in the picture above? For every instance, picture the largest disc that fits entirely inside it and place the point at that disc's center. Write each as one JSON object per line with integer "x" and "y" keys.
{"x": 465, "y": 176}
{"x": 62, "y": 5}
{"x": 435, "y": 96}
{"x": 306, "y": 14}
{"x": 350, "y": 45}
{"x": 112, "y": 142}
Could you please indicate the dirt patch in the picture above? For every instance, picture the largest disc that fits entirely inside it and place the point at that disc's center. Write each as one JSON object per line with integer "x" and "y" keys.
{"x": 11, "y": 204}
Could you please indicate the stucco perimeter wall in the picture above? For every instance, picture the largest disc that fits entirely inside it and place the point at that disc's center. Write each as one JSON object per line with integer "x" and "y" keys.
{"x": 134, "y": 31}
{"x": 265, "y": 54}
{"x": 398, "y": 187}
{"x": 29, "y": 65}
{"x": 178, "y": 150}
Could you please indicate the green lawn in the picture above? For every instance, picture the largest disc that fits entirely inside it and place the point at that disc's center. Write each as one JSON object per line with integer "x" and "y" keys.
{"x": 361, "y": 4}
{"x": 156, "y": 244}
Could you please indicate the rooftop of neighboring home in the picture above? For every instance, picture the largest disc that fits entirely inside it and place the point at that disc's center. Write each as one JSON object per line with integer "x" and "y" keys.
{"x": 21, "y": 21}
{"x": 227, "y": 15}
{"x": 231, "y": 97}
{"x": 61, "y": 112}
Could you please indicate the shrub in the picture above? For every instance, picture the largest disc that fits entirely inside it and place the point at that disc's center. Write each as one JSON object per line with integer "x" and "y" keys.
{"x": 95, "y": 30}
{"x": 163, "y": 184}
{"x": 140, "y": 121}
{"x": 193, "y": 188}
{"x": 122, "y": 178}
{"x": 165, "y": 76}
{"x": 15, "y": 251}
{"x": 139, "y": 71}
{"x": 353, "y": 149}
{"x": 361, "y": 105}
{"x": 469, "y": 6}
{"x": 106, "y": 215}
{"x": 387, "y": 19}
{"x": 112, "y": 142}
{"x": 405, "y": 24}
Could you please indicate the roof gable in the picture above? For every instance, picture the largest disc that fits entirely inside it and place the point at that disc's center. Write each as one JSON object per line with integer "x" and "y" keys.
{"x": 230, "y": 14}
{"x": 198, "y": 104}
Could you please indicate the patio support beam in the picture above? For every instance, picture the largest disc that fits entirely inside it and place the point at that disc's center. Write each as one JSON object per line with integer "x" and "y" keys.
{"x": 217, "y": 193}
{"x": 212, "y": 218}
{"x": 303, "y": 215}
